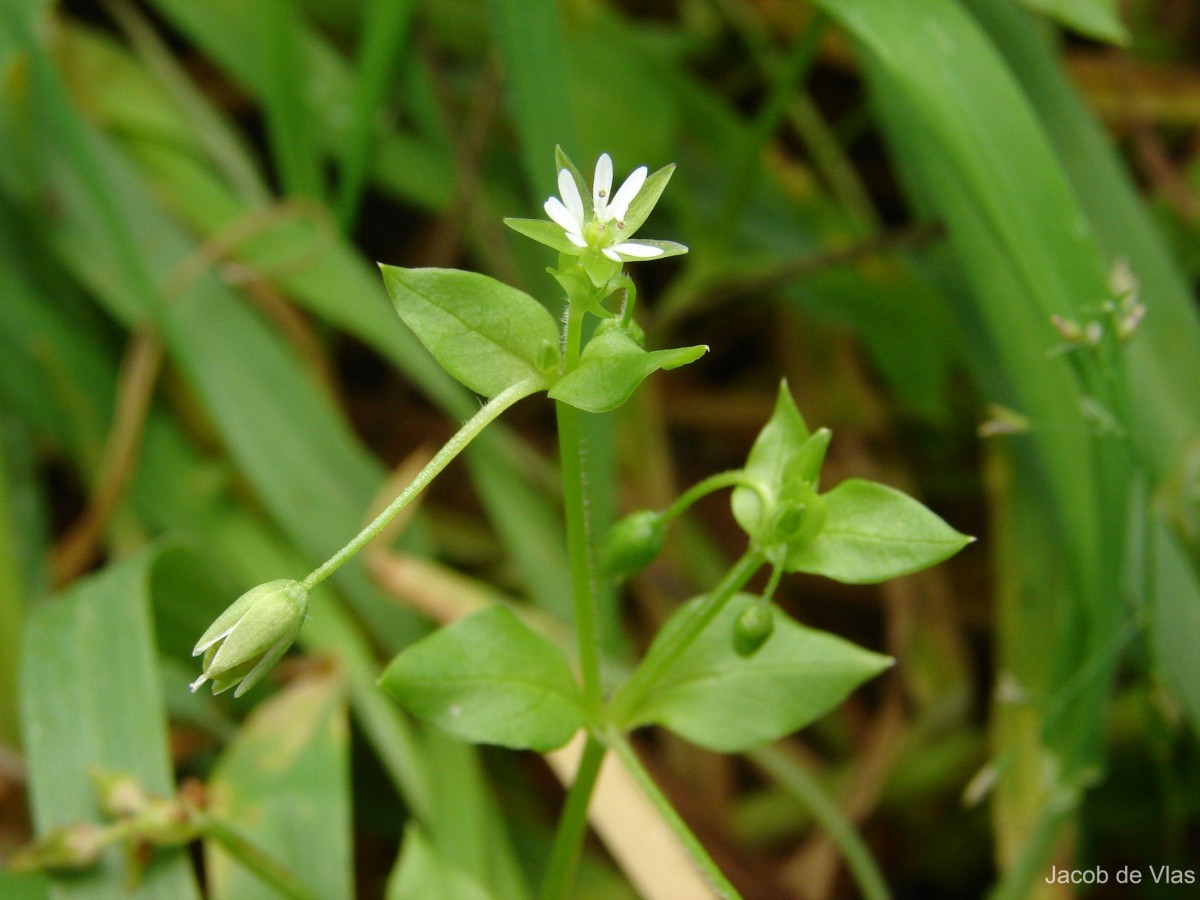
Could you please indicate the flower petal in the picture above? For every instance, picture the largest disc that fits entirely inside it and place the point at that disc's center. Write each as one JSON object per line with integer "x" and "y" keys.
{"x": 562, "y": 216}
{"x": 569, "y": 191}
{"x": 602, "y": 186}
{"x": 577, "y": 240}
{"x": 633, "y": 250}
{"x": 629, "y": 190}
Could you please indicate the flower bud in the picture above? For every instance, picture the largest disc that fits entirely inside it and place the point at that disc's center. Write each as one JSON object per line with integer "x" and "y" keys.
{"x": 752, "y": 628}
{"x": 251, "y": 635}
{"x": 632, "y": 544}
{"x": 67, "y": 848}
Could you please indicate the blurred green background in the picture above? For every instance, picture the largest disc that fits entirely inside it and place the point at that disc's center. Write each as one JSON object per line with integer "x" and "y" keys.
{"x": 203, "y": 387}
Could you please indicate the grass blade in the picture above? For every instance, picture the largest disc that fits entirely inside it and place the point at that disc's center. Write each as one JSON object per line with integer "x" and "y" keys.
{"x": 91, "y": 698}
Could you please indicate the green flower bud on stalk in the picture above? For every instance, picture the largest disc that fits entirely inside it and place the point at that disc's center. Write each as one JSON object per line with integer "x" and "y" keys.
{"x": 632, "y": 544}
{"x": 68, "y": 848}
{"x": 752, "y": 628}
{"x": 248, "y": 638}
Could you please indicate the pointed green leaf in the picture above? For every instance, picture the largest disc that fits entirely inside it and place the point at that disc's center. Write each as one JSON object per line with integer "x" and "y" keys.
{"x": 805, "y": 466}
{"x": 486, "y": 334}
{"x": 774, "y": 449}
{"x": 1097, "y": 19}
{"x": 646, "y": 199}
{"x": 562, "y": 161}
{"x": 873, "y": 533}
{"x": 548, "y": 233}
{"x": 489, "y": 679}
{"x": 610, "y": 369}
{"x": 725, "y": 702}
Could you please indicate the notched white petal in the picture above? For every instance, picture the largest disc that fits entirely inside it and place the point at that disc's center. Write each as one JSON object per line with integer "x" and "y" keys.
{"x": 562, "y": 216}
{"x": 636, "y": 250}
{"x": 633, "y": 184}
{"x": 602, "y": 183}
{"x": 569, "y": 191}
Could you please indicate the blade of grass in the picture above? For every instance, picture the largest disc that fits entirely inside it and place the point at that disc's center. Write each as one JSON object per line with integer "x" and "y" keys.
{"x": 405, "y": 164}
{"x": 384, "y": 31}
{"x": 530, "y": 36}
{"x": 1164, "y": 362}
{"x": 224, "y": 146}
{"x": 284, "y": 783}
{"x": 91, "y": 698}
{"x": 805, "y": 788}
{"x": 294, "y": 447}
{"x": 13, "y": 597}
{"x": 285, "y": 99}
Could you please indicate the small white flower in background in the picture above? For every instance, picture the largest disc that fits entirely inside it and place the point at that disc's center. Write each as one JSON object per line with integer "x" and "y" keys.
{"x": 607, "y": 226}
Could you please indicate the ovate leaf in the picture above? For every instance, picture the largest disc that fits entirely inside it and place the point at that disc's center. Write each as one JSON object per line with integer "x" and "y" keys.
{"x": 874, "y": 533}
{"x": 489, "y": 679}
{"x": 486, "y": 334}
{"x": 717, "y": 699}
{"x": 610, "y": 369}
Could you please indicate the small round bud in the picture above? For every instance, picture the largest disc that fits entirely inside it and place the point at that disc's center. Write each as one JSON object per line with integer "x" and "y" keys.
{"x": 246, "y": 640}
{"x": 752, "y": 628}
{"x": 798, "y": 520}
{"x": 632, "y": 544}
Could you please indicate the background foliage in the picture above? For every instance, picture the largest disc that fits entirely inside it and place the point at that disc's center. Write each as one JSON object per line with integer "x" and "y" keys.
{"x": 203, "y": 386}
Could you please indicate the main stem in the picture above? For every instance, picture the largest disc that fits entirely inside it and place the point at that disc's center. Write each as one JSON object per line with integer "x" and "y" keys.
{"x": 570, "y": 448}
{"x": 469, "y": 431}
{"x": 572, "y": 825}
{"x": 568, "y": 839}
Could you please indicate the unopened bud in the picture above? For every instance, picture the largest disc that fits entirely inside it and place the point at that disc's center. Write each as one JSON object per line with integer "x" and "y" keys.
{"x": 248, "y": 638}
{"x": 69, "y": 848}
{"x": 752, "y": 629}
{"x": 632, "y": 544}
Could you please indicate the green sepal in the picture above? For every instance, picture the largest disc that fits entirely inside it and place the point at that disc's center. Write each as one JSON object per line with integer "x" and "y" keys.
{"x": 776, "y": 447}
{"x": 562, "y": 161}
{"x": 486, "y": 334}
{"x": 600, "y": 269}
{"x": 548, "y": 233}
{"x": 805, "y": 466}
{"x": 717, "y": 699}
{"x": 610, "y": 369}
{"x": 644, "y": 203}
{"x": 489, "y": 679}
{"x": 872, "y": 533}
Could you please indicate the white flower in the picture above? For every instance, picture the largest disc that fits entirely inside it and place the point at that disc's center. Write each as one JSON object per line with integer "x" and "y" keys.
{"x": 607, "y": 215}
{"x": 600, "y": 233}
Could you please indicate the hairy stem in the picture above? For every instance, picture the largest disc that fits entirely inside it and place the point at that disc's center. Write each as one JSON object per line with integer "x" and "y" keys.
{"x": 488, "y": 413}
